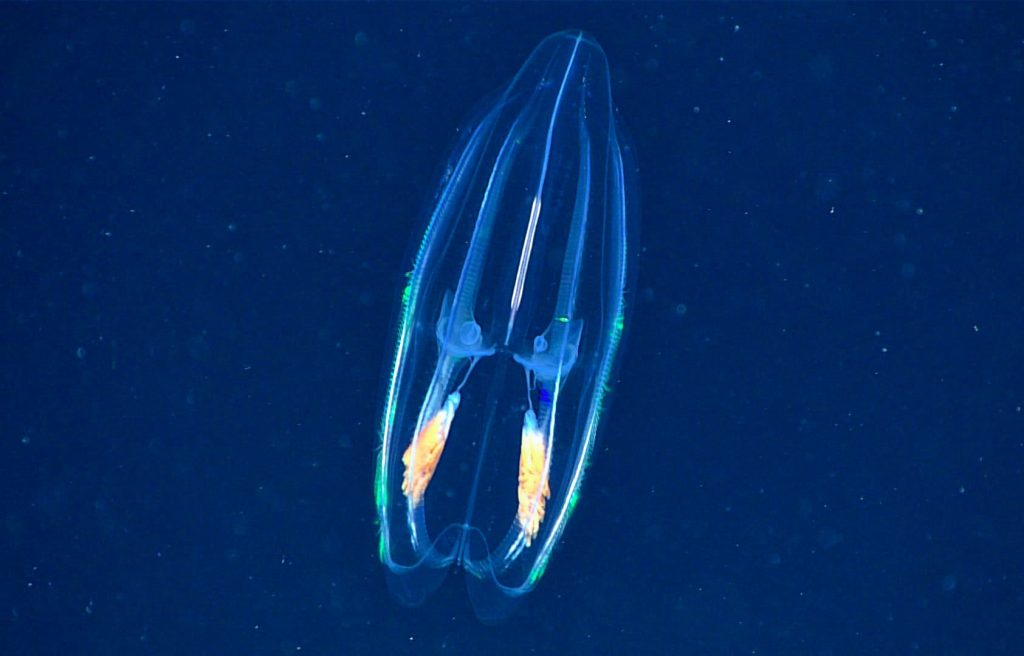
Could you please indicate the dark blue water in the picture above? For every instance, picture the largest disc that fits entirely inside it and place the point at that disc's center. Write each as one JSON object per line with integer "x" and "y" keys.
{"x": 816, "y": 439}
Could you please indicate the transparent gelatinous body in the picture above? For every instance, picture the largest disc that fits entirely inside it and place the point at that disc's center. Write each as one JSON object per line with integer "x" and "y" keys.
{"x": 507, "y": 335}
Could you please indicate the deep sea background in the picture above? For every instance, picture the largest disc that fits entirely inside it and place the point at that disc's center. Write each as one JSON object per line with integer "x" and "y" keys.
{"x": 816, "y": 438}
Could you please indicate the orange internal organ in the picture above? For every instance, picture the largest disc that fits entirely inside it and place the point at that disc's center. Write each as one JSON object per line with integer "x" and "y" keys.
{"x": 424, "y": 452}
{"x": 534, "y": 489}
